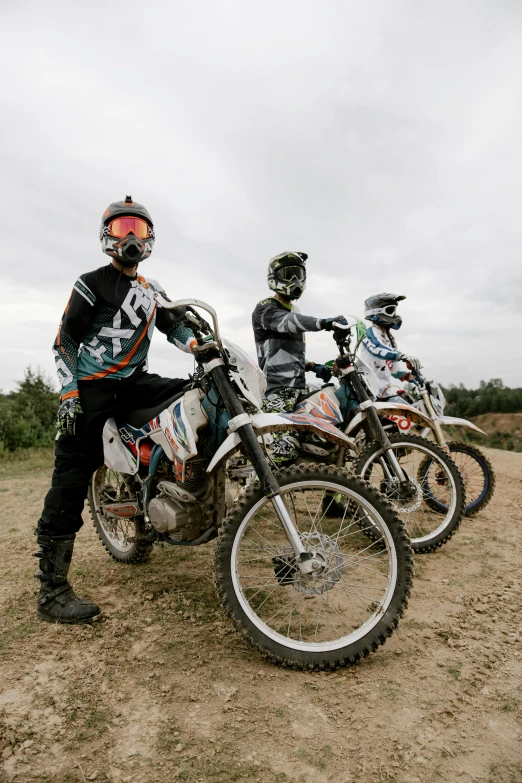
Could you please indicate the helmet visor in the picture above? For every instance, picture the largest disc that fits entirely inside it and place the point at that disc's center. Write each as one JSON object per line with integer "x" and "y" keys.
{"x": 289, "y": 273}
{"x": 121, "y": 227}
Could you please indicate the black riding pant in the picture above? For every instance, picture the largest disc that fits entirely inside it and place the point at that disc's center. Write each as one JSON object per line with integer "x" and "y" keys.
{"x": 78, "y": 456}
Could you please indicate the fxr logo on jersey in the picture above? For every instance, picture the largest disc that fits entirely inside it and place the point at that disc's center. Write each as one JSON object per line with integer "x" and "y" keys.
{"x": 137, "y": 298}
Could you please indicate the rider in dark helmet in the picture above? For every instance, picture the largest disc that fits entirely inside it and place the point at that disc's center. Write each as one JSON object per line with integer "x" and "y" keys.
{"x": 279, "y": 333}
{"x": 101, "y": 358}
{"x": 379, "y": 349}
{"x": 127, "y": 232}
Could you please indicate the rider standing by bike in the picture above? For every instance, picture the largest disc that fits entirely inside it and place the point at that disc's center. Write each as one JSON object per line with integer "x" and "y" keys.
{"x": 101, "y": 358}
{"x": 279, "y": 331}
{"x": 379, "y": 349}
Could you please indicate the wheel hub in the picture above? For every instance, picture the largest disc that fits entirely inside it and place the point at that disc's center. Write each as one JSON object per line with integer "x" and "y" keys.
{"x": 405, "y": 498}
{"x": 326, "y": 571}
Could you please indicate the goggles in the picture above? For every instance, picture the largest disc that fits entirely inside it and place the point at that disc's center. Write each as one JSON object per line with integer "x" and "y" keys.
{"x": 388, "y": 310}
{"x": 121, "y": 227}
{"x": 289, "y": 273}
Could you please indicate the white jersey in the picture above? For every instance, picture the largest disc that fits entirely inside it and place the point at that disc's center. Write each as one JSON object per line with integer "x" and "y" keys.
{"x": 379, "y": 352}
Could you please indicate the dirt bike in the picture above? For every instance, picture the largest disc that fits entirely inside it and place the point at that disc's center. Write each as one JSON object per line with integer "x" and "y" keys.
{"x": 421, "y": 481}
{"x": 475, "y": 468}
{"x": 306, "y": 590}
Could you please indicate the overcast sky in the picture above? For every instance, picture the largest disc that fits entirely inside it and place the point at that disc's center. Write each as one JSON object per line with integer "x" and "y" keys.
{"x": 382, "y": 138}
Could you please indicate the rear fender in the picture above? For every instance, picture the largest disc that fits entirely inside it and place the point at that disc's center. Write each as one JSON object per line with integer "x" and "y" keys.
{"x": 452, "y": 421}
{"x": 391, "y": 409}
{"x": 265, "y": 423}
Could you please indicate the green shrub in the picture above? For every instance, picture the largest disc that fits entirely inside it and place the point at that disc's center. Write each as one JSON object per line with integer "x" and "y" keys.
{"x": 27, "y": 415}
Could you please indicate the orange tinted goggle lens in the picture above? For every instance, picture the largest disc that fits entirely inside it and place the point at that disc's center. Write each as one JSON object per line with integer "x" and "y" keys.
{"x": 129, "y": 225}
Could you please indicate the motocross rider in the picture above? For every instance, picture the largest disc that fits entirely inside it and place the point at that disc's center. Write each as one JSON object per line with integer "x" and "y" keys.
{"x": 379, "y": 349}
{"x": 279, "y": 334}
{"x": 101, "y": 359}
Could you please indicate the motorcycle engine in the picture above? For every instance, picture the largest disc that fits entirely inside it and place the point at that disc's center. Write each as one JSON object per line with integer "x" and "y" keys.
{"x": 177, "y": 512}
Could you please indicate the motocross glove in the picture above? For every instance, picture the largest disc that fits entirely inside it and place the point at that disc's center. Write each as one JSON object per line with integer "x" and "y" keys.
{"x": 67, "y": 413}
{"x": 328, "y": 323}
{"x": 209, "y": 350}
{"x": 411, "y": 361}
{"x": 320, "y": 370}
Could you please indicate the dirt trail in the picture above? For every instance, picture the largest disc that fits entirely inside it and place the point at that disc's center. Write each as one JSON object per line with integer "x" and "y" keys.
{"x": 165, "y": 690}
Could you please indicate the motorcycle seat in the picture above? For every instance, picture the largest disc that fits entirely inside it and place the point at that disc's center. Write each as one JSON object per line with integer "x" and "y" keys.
{"x": 138, "y": 417}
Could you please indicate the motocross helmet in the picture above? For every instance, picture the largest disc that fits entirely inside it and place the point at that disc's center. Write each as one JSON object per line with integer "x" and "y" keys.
{"x": 287, "y": 274}
{"x": 382, "y": 310}
{"x": 127, "y": 232}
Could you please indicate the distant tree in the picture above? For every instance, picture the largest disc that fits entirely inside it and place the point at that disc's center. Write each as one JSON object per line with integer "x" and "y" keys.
{"x": 491, "y": 397}
{"x": 27, "y": 415}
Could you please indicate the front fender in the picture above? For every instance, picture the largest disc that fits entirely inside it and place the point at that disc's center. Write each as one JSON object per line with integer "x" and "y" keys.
{"x": 265, "y": 423}
{"x": 452, "y": 421}
{"x": 394, "y": 409}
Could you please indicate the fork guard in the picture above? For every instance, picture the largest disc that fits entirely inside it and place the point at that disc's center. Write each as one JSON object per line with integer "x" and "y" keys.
{"x": 395, "y": 409}
{"x": 265, "y": 423}
{"x": 454, "y": 421}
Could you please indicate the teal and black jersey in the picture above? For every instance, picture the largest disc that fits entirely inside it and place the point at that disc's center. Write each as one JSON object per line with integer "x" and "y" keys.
{"x": 280, "y": 343}
{"x": 107, "y": 327}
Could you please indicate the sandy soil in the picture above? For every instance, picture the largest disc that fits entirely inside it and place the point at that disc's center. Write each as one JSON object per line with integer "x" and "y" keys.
{"x": 163, "y": 689}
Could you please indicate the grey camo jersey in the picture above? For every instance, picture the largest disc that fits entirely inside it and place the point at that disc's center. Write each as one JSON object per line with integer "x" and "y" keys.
{"x": 280, "y": 343}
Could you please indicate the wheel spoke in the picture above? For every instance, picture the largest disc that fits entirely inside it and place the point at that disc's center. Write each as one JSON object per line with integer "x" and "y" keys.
{"x": 351, "y": 577}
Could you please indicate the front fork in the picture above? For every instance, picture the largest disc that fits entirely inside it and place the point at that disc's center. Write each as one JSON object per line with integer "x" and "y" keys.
{"x": 437, "y": 429}
{"x": 241, "y": 423}
{"x": 375, "y": 425}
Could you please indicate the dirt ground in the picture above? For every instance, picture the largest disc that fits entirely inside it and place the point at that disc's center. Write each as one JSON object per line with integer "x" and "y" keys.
{"x": 163, "y": 689}
{"x": 503, "y": 422}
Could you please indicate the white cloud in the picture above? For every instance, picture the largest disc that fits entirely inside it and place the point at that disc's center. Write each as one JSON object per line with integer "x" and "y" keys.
{"x": 383, "y": 139}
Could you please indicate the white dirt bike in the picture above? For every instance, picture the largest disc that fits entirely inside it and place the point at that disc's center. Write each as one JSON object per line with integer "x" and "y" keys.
{"x": 416, "y": 475}
{"x": 306, "y": 590}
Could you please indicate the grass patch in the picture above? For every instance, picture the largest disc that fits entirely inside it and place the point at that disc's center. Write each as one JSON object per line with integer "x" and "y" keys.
{"x": 455, "y": 670}
{"x": 16, "y": 463}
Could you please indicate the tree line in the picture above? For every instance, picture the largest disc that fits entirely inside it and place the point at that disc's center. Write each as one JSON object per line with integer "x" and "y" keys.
{"x": 28, "y": 414}
{"x": 491, "y": 397}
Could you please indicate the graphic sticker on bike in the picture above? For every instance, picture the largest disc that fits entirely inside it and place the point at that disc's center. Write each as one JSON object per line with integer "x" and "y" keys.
{"x": 326, "y": 410}
{"x": 307, "y": 419}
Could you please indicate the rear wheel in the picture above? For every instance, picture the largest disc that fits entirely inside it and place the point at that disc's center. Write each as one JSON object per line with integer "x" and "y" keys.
{"x": 477, "y": 473}
{"x": 343, "y": 610}
{"x": 431, "y": 506}
{"x": 123, "y": 538}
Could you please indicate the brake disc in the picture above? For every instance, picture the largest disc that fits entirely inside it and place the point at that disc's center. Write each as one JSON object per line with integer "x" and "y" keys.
{"x": 321, "y": 547}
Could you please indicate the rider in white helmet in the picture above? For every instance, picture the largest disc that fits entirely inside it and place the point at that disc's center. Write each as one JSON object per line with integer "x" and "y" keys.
{"x": 379, "y": 349}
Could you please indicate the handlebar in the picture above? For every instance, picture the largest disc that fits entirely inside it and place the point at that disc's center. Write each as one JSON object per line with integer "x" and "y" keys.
{"x": 192, "y": 316}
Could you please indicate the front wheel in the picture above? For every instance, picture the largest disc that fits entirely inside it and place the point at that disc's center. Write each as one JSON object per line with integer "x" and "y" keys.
{"x": 431, "y": 503}
{"x": 342, "y": 611}
{"x": 123, "y": 538}
{"x": 477, "y": 473}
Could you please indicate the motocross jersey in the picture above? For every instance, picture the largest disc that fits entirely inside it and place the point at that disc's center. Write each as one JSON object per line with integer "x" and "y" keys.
{"x": 378, "y": 350}
{"x": 107, "y": 327}
{"x": 280, "y": 343}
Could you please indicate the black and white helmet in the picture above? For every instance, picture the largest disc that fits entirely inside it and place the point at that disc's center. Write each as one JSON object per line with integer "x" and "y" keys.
{"x": 287, "y": 274}
{"x": 382, "y": 309}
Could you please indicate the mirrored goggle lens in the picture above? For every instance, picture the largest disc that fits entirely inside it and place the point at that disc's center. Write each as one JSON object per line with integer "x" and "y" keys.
{"x": 288, "y": 273}
{"x": 129, "y": 225}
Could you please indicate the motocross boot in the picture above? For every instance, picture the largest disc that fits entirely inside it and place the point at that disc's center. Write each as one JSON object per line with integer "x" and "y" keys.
{"x": 332, "y": 508}
{"x": 57, "y": 602}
